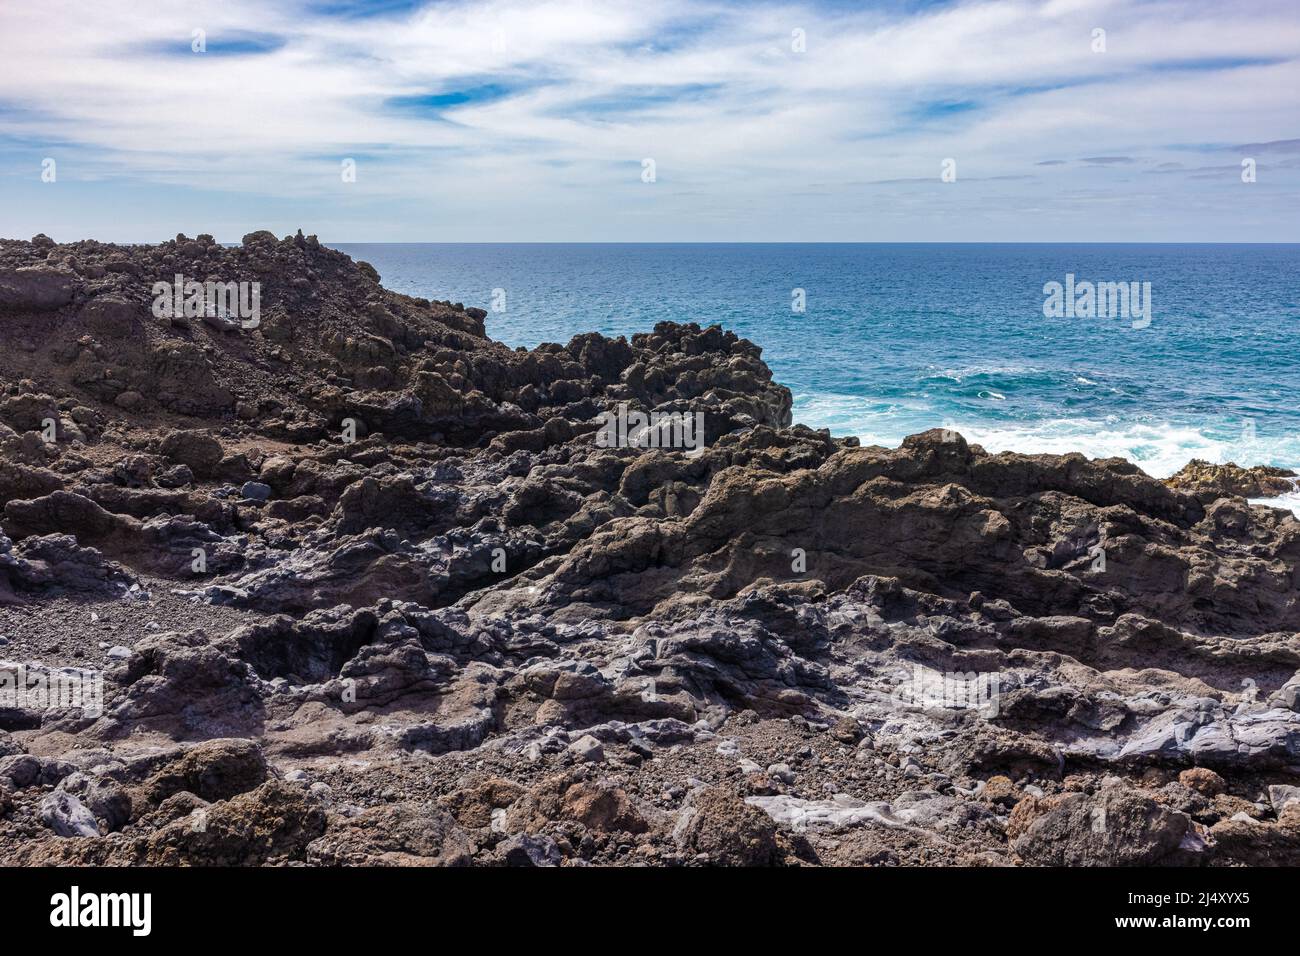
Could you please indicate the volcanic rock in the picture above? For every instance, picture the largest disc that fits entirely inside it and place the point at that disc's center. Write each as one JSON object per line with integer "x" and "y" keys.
{"x": 365, "y": 545}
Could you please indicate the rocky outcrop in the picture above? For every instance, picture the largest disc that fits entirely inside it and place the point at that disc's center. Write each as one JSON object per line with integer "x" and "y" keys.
{"x": 1209, "y": 482}
{"x": 1113, "y": 828}
{"x": 36, "y": 288}
{"x": 383, "y": 592}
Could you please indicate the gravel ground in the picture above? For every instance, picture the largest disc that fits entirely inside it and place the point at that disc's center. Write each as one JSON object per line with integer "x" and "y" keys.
{"x": 78, "y": 632}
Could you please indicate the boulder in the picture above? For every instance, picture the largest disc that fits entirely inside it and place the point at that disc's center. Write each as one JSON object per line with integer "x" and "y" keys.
{"x": 194, "y": 448}
{"x": 36, "y": 288}
{"x": 721, "y": 826}
{"x": 1117, "y": 827}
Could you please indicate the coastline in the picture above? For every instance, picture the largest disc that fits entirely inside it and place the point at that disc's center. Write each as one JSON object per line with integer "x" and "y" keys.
{"x": 1164, "y": 470}
{"x": 459, "y": 630}
{"x": 895, "y": 339}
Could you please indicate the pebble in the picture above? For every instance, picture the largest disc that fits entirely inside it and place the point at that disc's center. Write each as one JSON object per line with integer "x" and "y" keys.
{"x": 587, "y": 749}
{"x": 67, "y": 816}
{"x": 255, "y": 491}
{"x": 118, "y": 653}
{"x": 1280, "y": 795}
{"x": 999, "y": 789}
{"x": 1203, "y": 781}
{"x": 781, "y": 772}
{"x": 847, "y": 730}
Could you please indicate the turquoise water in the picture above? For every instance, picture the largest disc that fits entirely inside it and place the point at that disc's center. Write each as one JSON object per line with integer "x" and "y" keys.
{"x": 899, "y": 338}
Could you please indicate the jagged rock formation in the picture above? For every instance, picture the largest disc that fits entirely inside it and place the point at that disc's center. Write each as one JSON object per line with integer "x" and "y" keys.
{"x": 1208, "y": 481}
{"x": 379, "y": 595}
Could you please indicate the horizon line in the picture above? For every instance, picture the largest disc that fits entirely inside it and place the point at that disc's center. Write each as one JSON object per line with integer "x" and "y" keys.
{"x": 715, "y": 242}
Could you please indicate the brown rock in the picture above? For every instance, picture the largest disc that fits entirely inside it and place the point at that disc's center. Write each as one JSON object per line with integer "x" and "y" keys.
{"x": 1228, "y": 805}
{"x": 38, "y": 288}
{"x": 1027, "y": 810}
{"x": 729, "y": 831}
{"x": 402, "y": 834}
{"x": 273, "y": 823}
{"x": 1209, "y": 482}
{"x": 195, "y": 448}
{"x": 1253, "y": 843}
{"x": 603, "y": 808}
{"x": 1116, "y": 827}
{"x": 212, "y": 770}
{"x": 570, "y": 796}
{"x": 472, "y": 806}
{"x": 999, "y": 789}
{"x": 1203, "y": 780}
{"x": 847, "y": 730}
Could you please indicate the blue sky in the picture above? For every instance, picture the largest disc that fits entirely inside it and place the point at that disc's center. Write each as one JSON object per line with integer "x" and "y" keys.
{"x": 531, "y": 121}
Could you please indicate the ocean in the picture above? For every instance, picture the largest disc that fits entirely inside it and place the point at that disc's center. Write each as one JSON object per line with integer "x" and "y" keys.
{"x": 893, "y": 339}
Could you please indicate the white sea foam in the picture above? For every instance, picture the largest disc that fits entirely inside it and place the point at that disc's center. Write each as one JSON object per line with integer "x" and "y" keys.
{"x": 1159, "y": 449}
{"x": 972, "y": 371}
{"x": 1289, "y": 502}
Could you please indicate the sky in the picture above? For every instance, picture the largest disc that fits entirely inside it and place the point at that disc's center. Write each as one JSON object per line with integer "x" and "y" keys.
{"x": 651, "y": 121}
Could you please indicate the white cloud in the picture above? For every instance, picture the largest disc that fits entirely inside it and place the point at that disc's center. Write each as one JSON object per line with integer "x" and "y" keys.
{"x": 734, "y": 118}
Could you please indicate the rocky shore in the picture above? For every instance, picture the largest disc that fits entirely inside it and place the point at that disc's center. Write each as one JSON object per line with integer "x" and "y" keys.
{"x": 355, "y": 584}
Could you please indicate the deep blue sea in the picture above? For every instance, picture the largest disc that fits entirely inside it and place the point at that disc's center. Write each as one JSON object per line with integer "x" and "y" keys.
{"x": 896, "y": 339}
